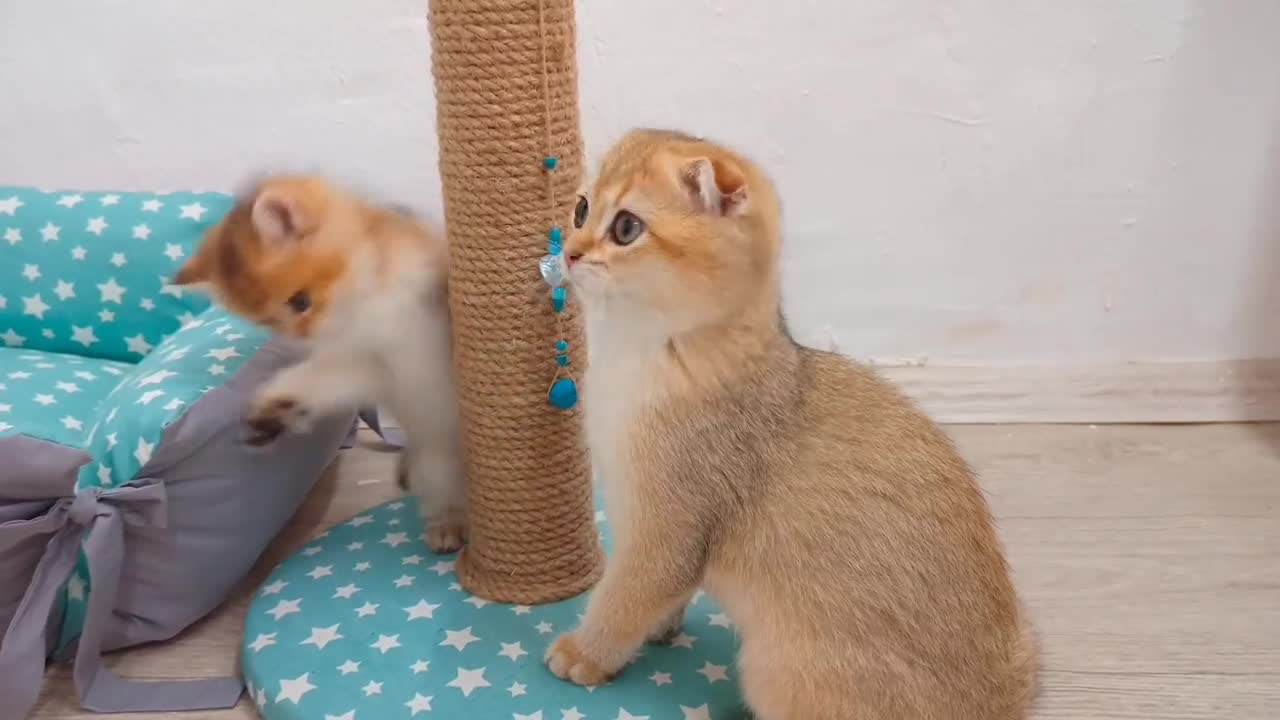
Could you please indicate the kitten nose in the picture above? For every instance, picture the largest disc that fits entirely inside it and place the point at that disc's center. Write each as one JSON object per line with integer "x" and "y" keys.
{"x": 573, "y": 257}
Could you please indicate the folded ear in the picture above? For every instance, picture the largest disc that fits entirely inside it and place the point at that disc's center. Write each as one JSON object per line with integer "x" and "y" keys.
{"x": 278, "y": 216}
{"x": 715, "y": 185}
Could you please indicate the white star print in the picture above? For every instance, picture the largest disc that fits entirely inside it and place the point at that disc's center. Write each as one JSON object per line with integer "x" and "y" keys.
{"x": 293, "y": 690}
{"x": 512, "y": 650}
{"x": 174, "y": 404}
{"x": 108, "y": 200}
{"x": 12, "y": 339}
{"x": 420, "y": 667}
{"x": 118, "y": 259}
{"x": 411, "y": 560}
{"x": 177, "y": 354}
{"x": 83, "y": 335}
{"x": 346, "y": 591}
{"x": 5, "y": 426}
{"x": 71, "y": 423}
{"x": 348, "y": 667}
{"x": 77, "y": 252}
{"x": 418, "y": 704}
{"x": 138, "y": 344}
{"x": 31, "y": 272}
{"x": 13, "y": 235}
{"x": 320, "y": 571}
{"x": 403, "y": 581}
{"x": 263, "y": 640}
{"x": 19, "y": 375}
{"x": 35, "y": 306}
{"x": 544, "y": 627}
{"x": 394, "y": 539}
{"x": 348, "y": 715}
{"x": 156, "y": 377}
{"x": 64, "y": 290}
{"x": 362, "y": 566}
{"x": 5, "y": 407}
{"x": 367, "y": 609}
{"x": 478, "y": 602}
{"x": 223, "y": 354}
{"x": 355, "y": 546}
{"x": 624, "y": 715}
{"x": 49, "y": 232}
{"x": 702, "y": 712}
{"x": 70, "y": 201}
{"x": 104, "y": 474}
{"x": 147, "y": 304}
{"x": 85, "y": 375}
{"x": 285, "y": 607}
{"x": 141, "y": 231}
{"x": 167, "y": 288}
{"x": 359, "y": 520}
{"x": 106, "y": 316}
{"x": 10, "y": 206}
{"x": 444, "y": 567}
{"x": 67, "y": 387}
{"x": 192, "y": 211}
{"x": 274, "y": 588}
{"x": 173, "y": 252}
{"x": 386, "y": 643}
{"x": 660, "y": 678}
{"x": 96, "y": 225}
{"x": 47, "y": 333}
{"x": 459, "y": 639}
{"x": 714, "y": 673}
{"x": 75, "y": 588}
{"x": 468, "y": 681}
{"x": 683, "y": 640}
{"x": 422, "y": 610}
{"x": 111, "y": 440}
{"x": 112, "y": 291}
{"x": 143, "y": 451}
{"x": 320, "y": 637}
{"x": 719, "y": 620}
{"x": 373, "y": 688}
{"x": 146, "y": 397}
{"x": 572, "y": 714}
{"x": 261, "y": 698}
{"x": 517, "y": 716}
{"x": 151, "y": 205}
{"x": 45, "y": 400}
{"x": 521, "y": 609}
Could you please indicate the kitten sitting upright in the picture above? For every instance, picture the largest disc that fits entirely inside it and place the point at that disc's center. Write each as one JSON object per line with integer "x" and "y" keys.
{"x": 832, "y": 520}
{"x": 366, "y": 288}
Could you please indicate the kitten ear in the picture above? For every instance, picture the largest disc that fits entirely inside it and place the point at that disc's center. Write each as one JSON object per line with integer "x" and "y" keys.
{"x": 277, "y": 217}
{"x": 714, "y": 186}
{"x": 196, "y": 269}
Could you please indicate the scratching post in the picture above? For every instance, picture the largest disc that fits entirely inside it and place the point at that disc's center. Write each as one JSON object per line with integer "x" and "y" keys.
{"x": 506, "y": 99}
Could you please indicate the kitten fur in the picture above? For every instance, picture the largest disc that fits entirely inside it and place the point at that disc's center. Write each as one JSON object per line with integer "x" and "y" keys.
{"x": 834, "y": 522}
{"x": 366, "y": 289}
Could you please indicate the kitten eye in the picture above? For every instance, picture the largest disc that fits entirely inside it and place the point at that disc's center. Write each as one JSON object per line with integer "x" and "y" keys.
{"x": 299, "y": 302}
{"x": 626, "y": 227}
{"x": 580, "y": 212}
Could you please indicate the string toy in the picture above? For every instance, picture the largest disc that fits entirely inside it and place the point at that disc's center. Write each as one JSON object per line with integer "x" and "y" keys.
{"x": 563, "y": 391}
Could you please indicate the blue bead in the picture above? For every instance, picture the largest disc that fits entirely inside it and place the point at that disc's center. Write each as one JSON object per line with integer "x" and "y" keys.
{"x": 554, "y": 235}
{"x": 563, "y": 394}
{"x": 557, "y": 299}
{"x": 562, "y": 345}
{"x": 554, "y": 247}
{"x": 562, "y": 360}
{"x": 549, "y": 163}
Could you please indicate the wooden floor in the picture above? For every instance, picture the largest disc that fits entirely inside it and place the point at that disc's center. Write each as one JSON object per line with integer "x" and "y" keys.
{"x": 1149, "y": 556}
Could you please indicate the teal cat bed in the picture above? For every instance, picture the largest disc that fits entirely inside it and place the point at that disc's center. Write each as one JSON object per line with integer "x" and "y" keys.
{"x": 365, "y": 623}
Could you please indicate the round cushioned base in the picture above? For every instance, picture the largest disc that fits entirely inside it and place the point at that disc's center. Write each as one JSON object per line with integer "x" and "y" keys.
{"x": 365, "y": 623}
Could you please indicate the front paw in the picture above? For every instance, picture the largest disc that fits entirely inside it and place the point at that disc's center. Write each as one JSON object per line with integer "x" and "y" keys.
{"x": 567, "y": 661}
{"x": 273, "y": 416}
{"x": 447, "y": 533}
{"x": 664, "y": 633}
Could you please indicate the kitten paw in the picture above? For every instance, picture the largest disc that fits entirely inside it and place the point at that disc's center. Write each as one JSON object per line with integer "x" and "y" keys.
{"x": 271, "y": 417}
{"x": 448, "y": 532}
{"x": 566, "y": 661}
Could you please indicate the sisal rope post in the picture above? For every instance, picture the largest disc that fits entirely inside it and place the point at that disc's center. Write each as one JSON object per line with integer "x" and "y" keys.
{"x": 506, "y": 98}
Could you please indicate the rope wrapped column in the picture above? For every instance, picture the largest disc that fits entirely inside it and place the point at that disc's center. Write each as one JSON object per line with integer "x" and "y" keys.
{"x": 506, "y": 100}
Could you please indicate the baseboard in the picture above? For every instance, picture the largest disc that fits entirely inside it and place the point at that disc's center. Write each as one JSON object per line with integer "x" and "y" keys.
{"x": 1227, "y": 391}
{"x": 1200, "y": 392}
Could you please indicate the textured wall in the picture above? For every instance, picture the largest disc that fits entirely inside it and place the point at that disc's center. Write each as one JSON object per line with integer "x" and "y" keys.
{"x": 1041, "y": 183}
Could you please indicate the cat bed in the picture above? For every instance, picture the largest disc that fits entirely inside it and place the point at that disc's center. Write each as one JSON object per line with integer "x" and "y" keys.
{"x": 129, "y": 505}
{"x": 365, "y": 622}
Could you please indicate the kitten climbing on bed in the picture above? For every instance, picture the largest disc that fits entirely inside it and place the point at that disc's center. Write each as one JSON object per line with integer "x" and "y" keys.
{"x": 832, "y": 520}
{"x": 366, "y": 289}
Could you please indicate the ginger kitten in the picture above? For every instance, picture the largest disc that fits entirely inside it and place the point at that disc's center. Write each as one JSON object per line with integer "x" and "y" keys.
{"x": 366, "y": 289}
{"x": 831, "y": 519}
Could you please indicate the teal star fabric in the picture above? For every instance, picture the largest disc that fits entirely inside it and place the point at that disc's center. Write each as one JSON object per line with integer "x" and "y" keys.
{"x": 366, "y": 624}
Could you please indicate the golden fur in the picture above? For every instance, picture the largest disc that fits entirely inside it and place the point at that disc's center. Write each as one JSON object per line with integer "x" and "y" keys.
{"x": 366, "y": 288}
{"x": 833, "y": 521}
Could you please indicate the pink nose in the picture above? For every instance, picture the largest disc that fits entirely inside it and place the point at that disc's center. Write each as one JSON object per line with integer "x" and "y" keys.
{"x": 572, "y": 258}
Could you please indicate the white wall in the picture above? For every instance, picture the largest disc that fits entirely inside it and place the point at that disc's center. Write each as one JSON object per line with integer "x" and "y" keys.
{"x": 972, "y": 182}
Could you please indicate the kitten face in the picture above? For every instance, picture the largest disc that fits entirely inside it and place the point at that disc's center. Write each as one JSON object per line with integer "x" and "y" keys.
{"x": 677, "y": 229}
{"x": 275, "y": 258}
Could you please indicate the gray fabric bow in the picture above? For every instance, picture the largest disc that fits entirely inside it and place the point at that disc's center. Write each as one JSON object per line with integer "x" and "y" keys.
{"x": 95, "y": 519}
